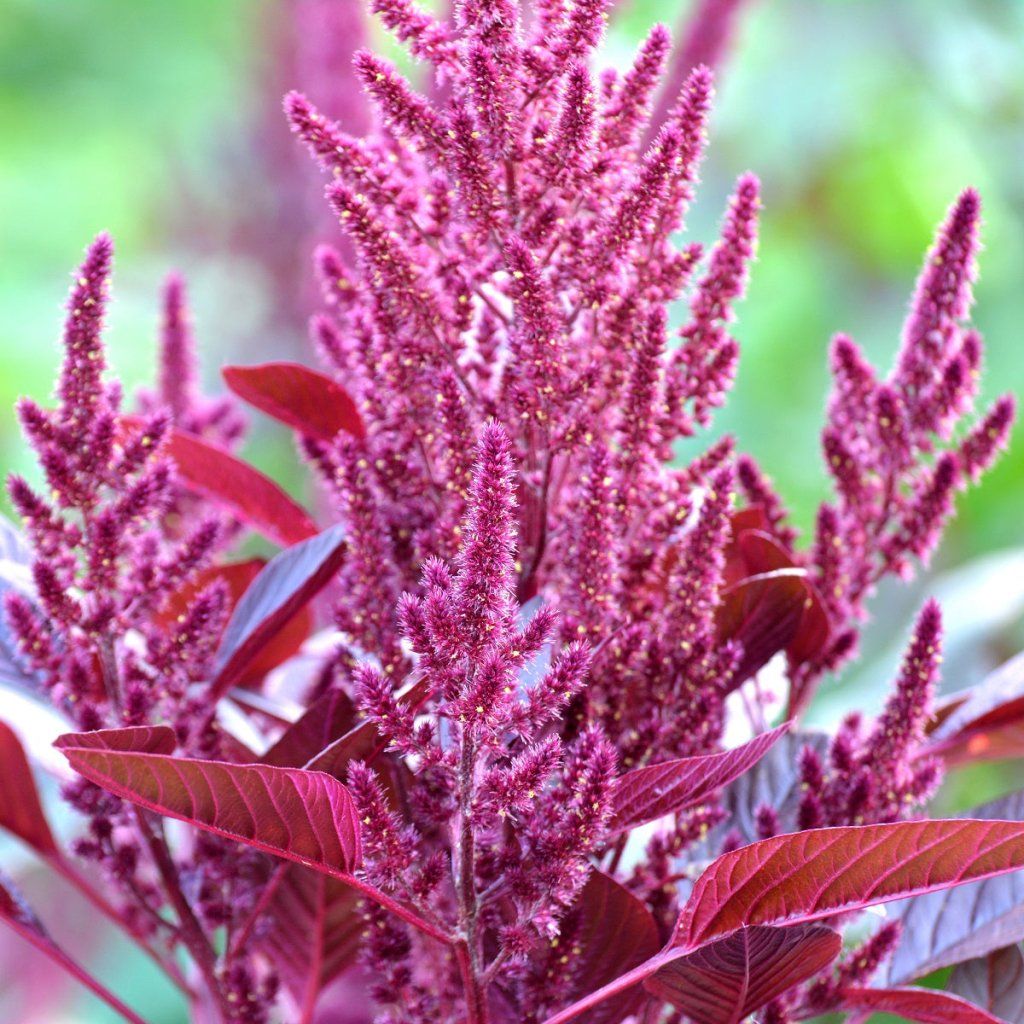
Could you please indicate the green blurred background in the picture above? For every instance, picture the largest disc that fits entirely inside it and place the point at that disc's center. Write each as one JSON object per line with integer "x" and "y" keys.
{"x": 864, "y": 118}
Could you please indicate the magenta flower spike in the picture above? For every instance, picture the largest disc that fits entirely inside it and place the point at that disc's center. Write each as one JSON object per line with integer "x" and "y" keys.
{"x": 508, "y": 728}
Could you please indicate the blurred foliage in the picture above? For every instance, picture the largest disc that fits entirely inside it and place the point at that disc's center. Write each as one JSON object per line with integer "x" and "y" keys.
{"x": 864, "y": 119}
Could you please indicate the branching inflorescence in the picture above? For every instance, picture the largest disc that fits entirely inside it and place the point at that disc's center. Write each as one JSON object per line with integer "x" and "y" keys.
{"x": 545, "y": 617}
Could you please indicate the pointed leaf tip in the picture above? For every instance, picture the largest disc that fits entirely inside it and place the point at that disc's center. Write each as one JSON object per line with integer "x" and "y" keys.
{"x": 301, "y": 398}
{"x": 648, "y": 793}
{"x": 303, "y": 816}
{"x": 811, "y": 875}
{"x": 283, "y": 587}
{"x": 21, "y": 811}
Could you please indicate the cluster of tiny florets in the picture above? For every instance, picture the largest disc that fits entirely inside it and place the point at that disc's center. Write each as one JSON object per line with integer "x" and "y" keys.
{"x": 536, "y": 594}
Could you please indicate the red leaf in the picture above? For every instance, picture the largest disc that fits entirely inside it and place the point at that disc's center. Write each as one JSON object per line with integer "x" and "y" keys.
{"x": 810, "y": 875}
{"x": 293, "y": 394}
{"x": 614, "y": 932}
{"x": 21, "y": 812}
{"x": 362, "y": 743}
{"x": 814, "y": 629}
{"x": 304, "y": 816}
{"x": 283, "y": 587}
{"x": 988, "y": 722}
{"x": 331, "y": 717}
{"x": 314, "y": 932}
{"x": 754, "y": 552}
{"x": 245, "y": 492}
{"x": 18, "y": 916}
{"x": 944, "y": 928}
{"x": 763, "y": 613}
{"x": 725, "y": 982}
{"x": 238, "y": 576}
{"x": 649, "y": 793}
{"x": 736, "y": 566}
{"x": 139, "y": 739}
{"x": 918, "y": 1004}
{"x": 994, "y": 982}
{"x": 761, "y": 552}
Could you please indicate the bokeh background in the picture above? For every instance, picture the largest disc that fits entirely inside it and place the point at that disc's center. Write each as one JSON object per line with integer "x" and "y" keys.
{"x": 160, "y": 122}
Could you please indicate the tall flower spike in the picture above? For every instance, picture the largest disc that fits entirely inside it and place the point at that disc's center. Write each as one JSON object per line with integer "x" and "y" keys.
{"x": 472, "y": 171}
{"x": 425, "y": 36}
{"x": 853, "y": 385}
{"x": 625, "y": 115}
{"x": 981, "y": 446}
{"x": 495, "y": 103}
{"x": 702, "y": 369}
{"x": 400, "y": 295}
{"x": 584, "y": 29}
{"x": 690, "y": 115}
{"x": 591, "y": 558}
{"x": 640, "y": 203}
{"x": 941, "y": 301}
{"x": 176, "y": 382}
{"x": 643, "y": 404}
{"x": 80, "y": 386}
{"x": 178, "y": 393}
{"x": 487, "y": 573}
{"x": 537, "y": 369}
{"x": 405, "y": 112}
{"x": 900, "y": 728}
{"x": 568, "y": 149}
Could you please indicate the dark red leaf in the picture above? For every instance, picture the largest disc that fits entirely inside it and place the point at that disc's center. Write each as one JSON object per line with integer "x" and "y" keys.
{"x": 614, "y": 932}
{"x": 918, "y": 1004}
{"x": 736, "y": 566}
{"x": 763, "y": 613}
{"x": 994, "y": 982}
{"x": 17, "y": 915}
{"x": 21, "y": 812}
{"x": 297, "y": 396}
{"x": 139, "y": 739}
{"x": 944, "y": 928}
{"x": 362, "y": 743}
{"x": 331, "y": 717}
{"x": 245, "y": 492}
{"x": 761, "y": 552}
{"x": 304, "y": 816}
{"x": 814, "y": 630}
{"x": 943, "y": 707}
{"x": 753, "y": 551}
{"x": 988, "y": 722}
{"x": 649, "y": 793}
{"x": 728, "y": 980}
{"x": 281, "y": 590}
{"x": 314, "y": 930}
{"x": 237, "y": 577}
{"x": 810, "y": 875}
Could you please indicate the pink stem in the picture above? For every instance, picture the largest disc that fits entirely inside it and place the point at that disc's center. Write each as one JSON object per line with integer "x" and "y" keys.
{"x": 82, "y": 885}
{"x": 613, "y": 988}
{"x": 79, "y": 973}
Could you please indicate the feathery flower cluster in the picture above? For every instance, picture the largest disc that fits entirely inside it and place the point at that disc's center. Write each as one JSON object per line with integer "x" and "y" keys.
{"x": 115, "y": 545}
{"x": 534, "y": 599}
{"x": 101, "y": 571}
{"x": 878, "y": 774}
{"x": 177, "y": 391}
{"x": 890, "y": 444}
